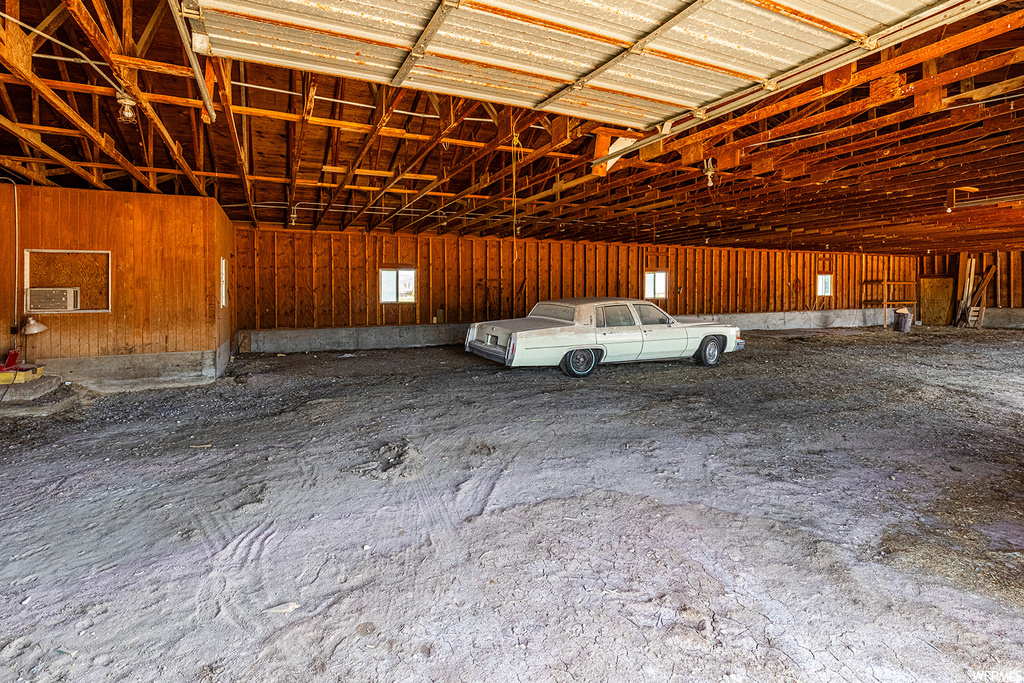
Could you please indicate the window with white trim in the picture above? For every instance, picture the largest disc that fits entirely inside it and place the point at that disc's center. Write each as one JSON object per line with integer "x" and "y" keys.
{"x": 824, "y": 284}
{"x": 655, "y": 284}
{"x": 397, "y": 285}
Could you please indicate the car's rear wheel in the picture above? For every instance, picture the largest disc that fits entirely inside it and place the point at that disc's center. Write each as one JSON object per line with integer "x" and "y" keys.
{"x": 579, "y": 362}
{"x": 709, "y": 352}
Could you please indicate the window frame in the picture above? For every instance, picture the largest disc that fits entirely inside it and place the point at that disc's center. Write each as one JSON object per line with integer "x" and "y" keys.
{"x": 28, "y": 280}
{"x": 397, "y": 270}
{"x": 818, "y": 284}
{"x": 656, "y": 273}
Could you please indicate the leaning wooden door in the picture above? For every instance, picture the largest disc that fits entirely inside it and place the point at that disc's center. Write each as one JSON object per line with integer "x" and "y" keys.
{"x": 936, "y": 300}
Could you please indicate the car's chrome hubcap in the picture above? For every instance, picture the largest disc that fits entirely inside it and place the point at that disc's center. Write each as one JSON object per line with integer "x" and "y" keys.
{"x": 712, "y": 352}
{"x": 580, "y": 361}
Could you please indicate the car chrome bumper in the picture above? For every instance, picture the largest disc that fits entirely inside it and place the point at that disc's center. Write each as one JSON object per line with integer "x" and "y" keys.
{"x": 740, "y": 343}
{"x": 488, "y": 351}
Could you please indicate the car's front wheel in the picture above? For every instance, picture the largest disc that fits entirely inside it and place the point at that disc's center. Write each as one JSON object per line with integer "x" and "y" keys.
{"x": 579, "y": 362}
{"x": 709, "y": 352}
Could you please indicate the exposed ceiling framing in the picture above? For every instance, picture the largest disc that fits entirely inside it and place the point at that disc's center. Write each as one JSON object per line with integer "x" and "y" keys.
{"x": 862, "y": 153}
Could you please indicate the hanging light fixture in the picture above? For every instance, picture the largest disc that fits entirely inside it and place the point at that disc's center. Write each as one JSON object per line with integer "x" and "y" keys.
{"x": 127, "y": 112}
{"x": 33, "y": 326}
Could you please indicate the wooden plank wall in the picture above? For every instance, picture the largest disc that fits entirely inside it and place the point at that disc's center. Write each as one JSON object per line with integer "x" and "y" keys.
{"x": 164, "y": 281}
{"x": 1007, "y": 287}
{"x": 223, "y": 231}
{"x": 300, "y": 279}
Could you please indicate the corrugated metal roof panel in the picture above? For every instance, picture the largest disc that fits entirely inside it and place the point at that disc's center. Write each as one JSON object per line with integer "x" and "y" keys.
{"x": 619, "y": 108}
{"x": 521, "y": 52}
{"x": 746, "y": 38}
{"x": 623, "y": 20}
{"x": 862, "y": 16}
{"x": 479, "y": 81}
{"x": 394, "y": 22}
{"x": 667, "y": 81}
{"x": 501, "y": 41}
{"x": 299, "y": 49}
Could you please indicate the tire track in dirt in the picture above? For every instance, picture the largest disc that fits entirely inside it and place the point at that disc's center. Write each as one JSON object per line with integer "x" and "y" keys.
{"x": 235, "y": 570}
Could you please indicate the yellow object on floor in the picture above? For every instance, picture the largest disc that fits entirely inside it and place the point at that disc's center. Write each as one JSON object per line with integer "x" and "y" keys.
{"x": 25, "y": 374}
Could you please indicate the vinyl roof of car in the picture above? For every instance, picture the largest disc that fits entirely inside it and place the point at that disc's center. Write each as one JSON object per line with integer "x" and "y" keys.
{"x": 593, "y": 300}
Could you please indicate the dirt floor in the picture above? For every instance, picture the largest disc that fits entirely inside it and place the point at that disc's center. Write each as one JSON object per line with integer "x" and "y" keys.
{"x": 841, "y": 506}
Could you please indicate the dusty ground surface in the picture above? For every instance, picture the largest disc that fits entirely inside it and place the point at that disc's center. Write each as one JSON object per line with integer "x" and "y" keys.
{"x": 821, "y": 507}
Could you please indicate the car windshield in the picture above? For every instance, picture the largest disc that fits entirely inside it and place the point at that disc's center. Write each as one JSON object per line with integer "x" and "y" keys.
{"x": 557, "y": 311}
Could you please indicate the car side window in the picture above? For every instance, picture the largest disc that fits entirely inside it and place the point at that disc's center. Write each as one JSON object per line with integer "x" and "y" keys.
{"x": 599, "y": 316}
{"x": 616, "y": 315}
{"x": 651, "y": 315}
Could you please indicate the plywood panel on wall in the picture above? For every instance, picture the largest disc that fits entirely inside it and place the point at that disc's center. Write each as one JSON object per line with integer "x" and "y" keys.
{"x": 473, "y": 279}
{"x": 1006, "y": 288}
{"x": 164, "y": 271}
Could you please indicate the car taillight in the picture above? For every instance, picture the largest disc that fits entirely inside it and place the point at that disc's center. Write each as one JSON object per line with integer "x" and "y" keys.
{"x": 510, "y": 350}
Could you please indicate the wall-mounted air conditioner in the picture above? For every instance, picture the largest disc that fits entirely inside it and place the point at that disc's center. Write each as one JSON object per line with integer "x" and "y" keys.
{"x": 52, "y": 299}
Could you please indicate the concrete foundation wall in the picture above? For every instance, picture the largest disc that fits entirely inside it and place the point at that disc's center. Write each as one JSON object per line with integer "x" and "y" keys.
{"x": 411, "y": 336}
{"x": 138, "y": 371}
{"x": 1004, "y": 317}
{"x": 350, "y": 338}
{"x": 796, "y": 320}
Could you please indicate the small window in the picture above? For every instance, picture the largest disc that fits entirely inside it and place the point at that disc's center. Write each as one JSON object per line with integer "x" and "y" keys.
{"x": 655, "y": 284}
{"x": 651, "y": 315}
{"x": 397, "y": 286}
{"x": 824, "y": 284}
{"x": 617, "y": 315}
{"x": 223, "y": 282}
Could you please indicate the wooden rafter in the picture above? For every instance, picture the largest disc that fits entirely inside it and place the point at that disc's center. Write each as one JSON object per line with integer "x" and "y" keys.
{"x": 14, "y": 56}
{"x": 34, "y": 140}
{"x": 455, "y": 118}
{"x": 300, "y": 135}
{"x": 223, "y": 71}
{"x": 387, "y": 102}
{"x": 109, "y": 49}
{"x": 505, "y": 131}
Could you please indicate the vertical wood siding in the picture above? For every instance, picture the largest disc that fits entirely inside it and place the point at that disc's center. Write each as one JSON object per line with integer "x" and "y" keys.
{"x": 294, "y": 279}
{"x": 165, "y": 270}
{"x": 1006, "y": 290}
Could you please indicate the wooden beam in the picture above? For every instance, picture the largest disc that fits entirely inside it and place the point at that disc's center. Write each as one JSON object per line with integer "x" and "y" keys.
{"x": 445, "y": 128}
{"x": 139, "y": 64}
{"x": 387, "y": 102}
{"x": 35, "y": 141}
{"x": 300, "y": 136}
{"x": 505, "y": 131}
{"x": 26, "y": 172}
{"x": 108, "y": 51}
{"x": 152, "y": 26}
{"x": 49, "y": 25}
{"x": 14, "y": 56}
{"x": 223, "y": 71}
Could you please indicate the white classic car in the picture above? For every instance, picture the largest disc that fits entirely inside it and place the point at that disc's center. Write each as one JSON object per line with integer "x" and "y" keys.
{"x": 577, "y": 334}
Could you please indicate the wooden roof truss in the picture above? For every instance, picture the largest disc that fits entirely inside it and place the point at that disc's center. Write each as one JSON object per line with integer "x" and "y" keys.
{"x": 864, "y": 156}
